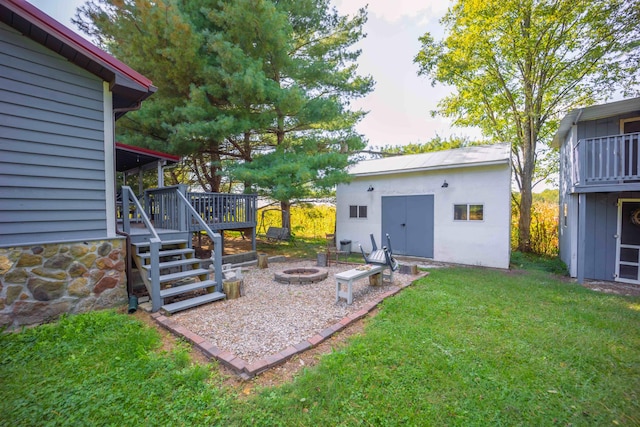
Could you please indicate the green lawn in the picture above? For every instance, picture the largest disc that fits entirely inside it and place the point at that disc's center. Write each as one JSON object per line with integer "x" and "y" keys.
{"x": 462, "y": 346}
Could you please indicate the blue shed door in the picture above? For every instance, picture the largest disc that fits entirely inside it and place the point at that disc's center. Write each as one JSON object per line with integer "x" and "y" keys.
{"x": 409, "y": 222}
{"x": 628, "y": 239}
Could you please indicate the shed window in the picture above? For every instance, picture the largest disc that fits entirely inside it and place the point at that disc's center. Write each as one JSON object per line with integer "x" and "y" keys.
{"x": 468, "y": 212}
{"x": 356, "y": 211}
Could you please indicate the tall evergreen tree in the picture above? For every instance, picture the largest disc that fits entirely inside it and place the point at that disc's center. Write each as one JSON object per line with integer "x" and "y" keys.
{"x": 311, "y": 76}
{"x": 257, "y": 87}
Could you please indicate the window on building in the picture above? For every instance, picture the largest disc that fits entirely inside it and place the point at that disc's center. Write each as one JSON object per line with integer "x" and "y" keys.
{"x": 356, "y": 211}
{"x": 468, "y": 212}
{"x": 565, "y": 209}
{"x": 631, "y": 125}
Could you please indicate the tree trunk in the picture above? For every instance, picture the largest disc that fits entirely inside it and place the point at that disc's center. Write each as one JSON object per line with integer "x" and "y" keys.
{"x": 375, "y": 279}
{"x": 286, "y": 215}
{"x": 526, "y": 198}
{"x": 263, "y": 261}
{"x": 232, "y": 288}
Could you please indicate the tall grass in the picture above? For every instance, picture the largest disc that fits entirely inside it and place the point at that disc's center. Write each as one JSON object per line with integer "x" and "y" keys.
{"x": 544, "y": 227}
{"x": 307, "y": 220}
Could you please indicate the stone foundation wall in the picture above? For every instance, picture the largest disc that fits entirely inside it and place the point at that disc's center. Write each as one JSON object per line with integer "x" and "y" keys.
{"x": 39, "y": 283}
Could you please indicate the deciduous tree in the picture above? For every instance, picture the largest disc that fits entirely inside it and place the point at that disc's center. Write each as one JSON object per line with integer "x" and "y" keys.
{"x": 516, "y": 65}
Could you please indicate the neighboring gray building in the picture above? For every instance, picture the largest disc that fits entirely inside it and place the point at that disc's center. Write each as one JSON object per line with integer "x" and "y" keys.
{"x": 59, "y": 99}
{"x": 599, "y": 234}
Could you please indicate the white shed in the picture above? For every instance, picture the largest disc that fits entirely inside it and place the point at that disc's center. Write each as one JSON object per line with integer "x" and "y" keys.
{"x": 450, "y": 206}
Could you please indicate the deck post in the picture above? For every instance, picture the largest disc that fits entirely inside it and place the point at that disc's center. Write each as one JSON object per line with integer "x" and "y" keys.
{"x": 126, "y": 224}
{"x": 253, "y": 239}
{"x": 154, "y": 248}
{"x": 217, "y": 260}
{"x": 183, "y": 224}
{"x": 582, "y": 229}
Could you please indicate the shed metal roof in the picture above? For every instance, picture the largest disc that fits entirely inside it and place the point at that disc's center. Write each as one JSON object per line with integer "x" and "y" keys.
{"x": 457, "y": 158}
{"x": 593, "y": 112}
{"x": 128, "y": 86}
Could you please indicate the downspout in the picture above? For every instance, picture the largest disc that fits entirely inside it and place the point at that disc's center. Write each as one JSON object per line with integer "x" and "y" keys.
{"x": 133, "y": 300}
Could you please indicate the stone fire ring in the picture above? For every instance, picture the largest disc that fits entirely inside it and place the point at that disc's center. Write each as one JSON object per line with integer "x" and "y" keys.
{"x": 301, "y": 276}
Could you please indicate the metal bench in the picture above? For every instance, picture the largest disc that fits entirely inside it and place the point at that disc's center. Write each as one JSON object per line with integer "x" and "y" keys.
{"x": 275, "y": 234}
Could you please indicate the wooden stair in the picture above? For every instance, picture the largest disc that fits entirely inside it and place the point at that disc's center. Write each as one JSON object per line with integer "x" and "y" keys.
{"x": 180, "y": 274}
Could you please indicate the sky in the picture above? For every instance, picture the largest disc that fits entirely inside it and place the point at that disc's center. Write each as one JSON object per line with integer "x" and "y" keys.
{"x": 399, "y": 106}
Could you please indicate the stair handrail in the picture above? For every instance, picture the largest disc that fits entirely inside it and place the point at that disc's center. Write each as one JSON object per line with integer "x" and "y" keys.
{"x": 128, "y": 196}
{"x": 216, "y": 238}
{"x": 155, "y": 243}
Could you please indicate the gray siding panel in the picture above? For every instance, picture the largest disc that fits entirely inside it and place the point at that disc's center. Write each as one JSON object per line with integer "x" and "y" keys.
{"x": 603, "y": 127}
{"x": 52, "y": 179}
{"x": 602, "y": 226}
{"x": 600, "y": 244}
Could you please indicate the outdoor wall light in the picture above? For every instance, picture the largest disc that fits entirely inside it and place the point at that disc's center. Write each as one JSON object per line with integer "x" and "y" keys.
{"x": 370, "y": 188}
{"x": 445, "y": 184}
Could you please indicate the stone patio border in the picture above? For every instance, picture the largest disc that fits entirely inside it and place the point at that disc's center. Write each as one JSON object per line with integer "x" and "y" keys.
{"x": 248, "y": 371}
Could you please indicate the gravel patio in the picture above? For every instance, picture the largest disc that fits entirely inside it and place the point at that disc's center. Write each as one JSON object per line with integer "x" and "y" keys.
{"x": 262, "y": 328}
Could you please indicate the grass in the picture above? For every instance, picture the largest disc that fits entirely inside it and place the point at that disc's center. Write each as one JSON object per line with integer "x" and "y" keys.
{"x": 529, "y": 261}
{"x": 101, "y": 368}
{"x": 475, "y": 347}
{"x": 302, "y": 248}
{"x": 463, "y": 346}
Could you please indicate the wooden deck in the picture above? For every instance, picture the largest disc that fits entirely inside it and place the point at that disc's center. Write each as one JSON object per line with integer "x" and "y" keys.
{"x": 163, "y": 223}
{"x": 220, "y": 211}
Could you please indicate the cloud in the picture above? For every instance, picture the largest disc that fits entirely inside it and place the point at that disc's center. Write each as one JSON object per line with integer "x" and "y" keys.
{"x": 394, "y": 10}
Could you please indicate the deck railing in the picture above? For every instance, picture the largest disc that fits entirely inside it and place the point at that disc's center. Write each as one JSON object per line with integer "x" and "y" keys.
{"x": 217, "y": 210}
{"x": 607, "y": 160}
{"x": 224, "y": 209}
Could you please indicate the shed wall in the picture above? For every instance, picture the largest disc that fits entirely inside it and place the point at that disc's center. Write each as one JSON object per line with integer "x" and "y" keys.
{"x": 52, "y": 161}
{"x": 485, "y": 243}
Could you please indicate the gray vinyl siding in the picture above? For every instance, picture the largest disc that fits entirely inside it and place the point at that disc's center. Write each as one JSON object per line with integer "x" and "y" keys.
{"x": 52, "y": 163}
{"x": 603, "y": 127}
{"x": 601, "y": 228}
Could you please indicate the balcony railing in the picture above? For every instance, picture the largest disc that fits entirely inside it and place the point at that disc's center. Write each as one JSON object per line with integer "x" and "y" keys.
{"x": 607, "y": 160}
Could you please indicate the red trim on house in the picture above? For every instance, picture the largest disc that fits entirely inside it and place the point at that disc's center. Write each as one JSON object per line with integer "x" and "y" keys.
{"x": 146, "y": 151}
{"x": 67, "y": 36}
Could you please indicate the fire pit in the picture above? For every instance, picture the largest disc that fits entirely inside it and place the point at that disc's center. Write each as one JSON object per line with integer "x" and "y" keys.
{"x": 301, "y": 276}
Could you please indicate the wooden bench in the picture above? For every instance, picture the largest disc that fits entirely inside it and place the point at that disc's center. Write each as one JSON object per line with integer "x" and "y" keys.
{"x": 348, "y": 277}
